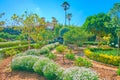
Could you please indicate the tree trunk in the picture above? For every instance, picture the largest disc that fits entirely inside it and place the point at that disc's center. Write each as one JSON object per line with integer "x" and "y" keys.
{"x": 63, "y": 58}
{"x": 118, "y": 46}
{"x": 28, "y": 39}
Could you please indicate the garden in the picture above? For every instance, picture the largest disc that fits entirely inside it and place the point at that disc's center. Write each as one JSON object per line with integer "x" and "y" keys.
{"x": 33, "y": 49}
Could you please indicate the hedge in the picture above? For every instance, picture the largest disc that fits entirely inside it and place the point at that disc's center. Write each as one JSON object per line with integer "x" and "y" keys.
{"x": 17, "y": 48}
{"x": 104, "y": 58}
{"x": 92, "y": 43}
{"x": 11, "y": 44}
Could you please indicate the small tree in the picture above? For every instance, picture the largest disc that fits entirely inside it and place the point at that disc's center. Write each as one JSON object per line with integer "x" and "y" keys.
{"x": 75, "y": 36}
{"x": 61, "y": 49}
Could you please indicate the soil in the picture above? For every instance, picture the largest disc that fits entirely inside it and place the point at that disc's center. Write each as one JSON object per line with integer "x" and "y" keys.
{"x": 105, "y": 72}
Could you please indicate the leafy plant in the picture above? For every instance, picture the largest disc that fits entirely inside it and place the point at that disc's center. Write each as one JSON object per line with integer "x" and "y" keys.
{"x": 31, "y": 52}
{"x": 82, "y": 62}
{"x": 24, "y": 62}
{"x": 61, "y": 49}
{"x": 44, "y": 50}
{"x": 49, "y": 71}
{"x": 70, "y": 56}
{"x": 118, "y": 71}
{"x": 85, "y": 74}
{"x": 39, "y": 65}
{"x": 79, "y": 73}
{"x": 51, "y": 56}
{"x": 11, "y": 52}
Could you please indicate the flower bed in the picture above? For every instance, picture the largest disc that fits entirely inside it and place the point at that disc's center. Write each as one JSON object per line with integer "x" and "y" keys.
{"x": 104, "y": 58}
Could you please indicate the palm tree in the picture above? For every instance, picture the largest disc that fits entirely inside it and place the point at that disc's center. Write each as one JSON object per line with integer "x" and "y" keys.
{"x": 66, "y": 6}
{"x": 69, "y": 15}
{"x": 54, "y": 21}
{"x": 42, "y": 21}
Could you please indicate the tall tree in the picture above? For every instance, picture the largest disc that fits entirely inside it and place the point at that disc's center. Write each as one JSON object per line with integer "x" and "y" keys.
{"x": 97, "y": 24}
{"x": 69, "y": 16}
{"x": 66, "y": 6}
{"x": 15, "y": 20}
{"x": 2, "y": 22}
{"x": 54, "y": 21}
{"x": 115, "y": 15}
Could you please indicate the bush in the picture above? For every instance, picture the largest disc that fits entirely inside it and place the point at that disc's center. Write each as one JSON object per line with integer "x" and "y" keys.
{"x": 2, "y": 40}
{"x": 11, "y": 44}
{"x": 18, "y": 48}
{"x": 51, "y": 56}
{"x": 39, "y": 65}
{"x": 70, "y": 56}
{"x": 108, "y": 59}
{"x": 61, "y": 48}
{"x": 44, "y": 50}
{"x": 49, "y": 71}
{"x": 69, "y": 73}
{"x": 32, "y": 52}
{"x": 59, "y": 73}
{"x": 85, "y": 74}
{"x": 82, "y": 62}
{"x": 11, "y": 52}
{"x": 50, "y": 46}
{"x": 24, "y": 63}
{"x": 79, "y": 73}
{"x": 118, "y": 71}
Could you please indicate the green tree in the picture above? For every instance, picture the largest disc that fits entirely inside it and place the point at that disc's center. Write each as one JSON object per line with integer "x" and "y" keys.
{"x": 2, "y": 22}
{"x": 76, "y": 36}
{"x": 97, "y": 25}
{"x": 69, "y": 16}
{"x": 114, "y": 13}
{"x": 66, "y": 6}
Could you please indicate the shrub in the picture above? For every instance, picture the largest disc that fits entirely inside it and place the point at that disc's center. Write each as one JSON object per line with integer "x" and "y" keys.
{"x": 18, "y": 48}
{"x": 31, "y": 52}
{"x": 11, "y": 44}
{"x": 105, "y": 58}
{"x": 2, "y": 40}
{"x": 44, "y": 50}
{"x": 59, "y": 73}
{"x": 85, "y": 74}
{"x": 61, "y": 48}
{"x": 70, "y": 56}
{"x": 118, "y": 71}
{"x": 50, "y": 46}
{"x": 51, "y": 56}
{"x": 24, "y": 63}
{"x": 79, "y": 73}
{"x": 11, "y": 52}
{"x": 69, "y": 73}
{"x": 49, "y": 71}
{"x": 56, "y": 44}
{"x": 38, "y": 66}
{"x": 82, "y": 62}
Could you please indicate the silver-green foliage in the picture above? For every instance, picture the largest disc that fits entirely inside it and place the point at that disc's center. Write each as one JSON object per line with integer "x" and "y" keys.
{"x": 79, "y": 73}
{"x": 24, "y": 62}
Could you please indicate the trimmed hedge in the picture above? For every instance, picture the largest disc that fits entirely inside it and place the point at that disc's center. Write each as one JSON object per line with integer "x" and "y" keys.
{"x": 11, "y": 44}
{"x": 104, "y": 58}
{"x": 18, "y": 48}
{"x": 93, "y": 43}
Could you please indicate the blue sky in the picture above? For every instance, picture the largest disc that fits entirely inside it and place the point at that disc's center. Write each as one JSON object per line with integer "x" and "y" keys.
{"x": 80, "y": 9}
